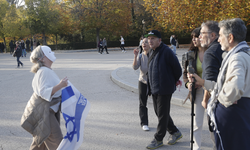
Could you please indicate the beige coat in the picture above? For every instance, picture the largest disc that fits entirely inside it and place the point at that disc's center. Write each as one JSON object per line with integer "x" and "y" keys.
{"x": 237, "y": 80}
{"x": 35, "y": 118}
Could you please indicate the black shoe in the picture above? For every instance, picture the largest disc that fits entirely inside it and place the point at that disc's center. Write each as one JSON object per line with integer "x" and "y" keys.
{"x": 22, "y": 65}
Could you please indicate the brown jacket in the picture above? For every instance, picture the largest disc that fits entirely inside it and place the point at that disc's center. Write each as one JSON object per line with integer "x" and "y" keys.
{"x": 35, "y": 118}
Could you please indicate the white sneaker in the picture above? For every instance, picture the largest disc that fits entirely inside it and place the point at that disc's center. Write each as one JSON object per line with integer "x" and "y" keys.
{"x": 145, "y": 128}
{"x": 122, "y": 51}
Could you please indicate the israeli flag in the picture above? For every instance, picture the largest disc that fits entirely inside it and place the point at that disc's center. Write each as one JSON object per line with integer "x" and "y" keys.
{"x": 74, "y": 108}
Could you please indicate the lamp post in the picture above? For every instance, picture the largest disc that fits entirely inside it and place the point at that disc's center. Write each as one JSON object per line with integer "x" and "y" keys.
{"x": 143, "y": 24}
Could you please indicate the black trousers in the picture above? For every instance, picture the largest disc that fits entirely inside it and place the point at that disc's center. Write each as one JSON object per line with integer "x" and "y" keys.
{"x": 100, "y": 51}
{"x": 122, "y": 47}
{"x": 162, "y": 110}
{"x": 105, "y": 47}
{"x": 143, "y": 98}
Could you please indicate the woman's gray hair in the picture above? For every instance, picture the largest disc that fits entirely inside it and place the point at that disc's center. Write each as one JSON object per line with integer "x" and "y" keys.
{"x": 212, "y": 26}
{"x": 236, "y": 27}
{"x": 35, "y": 56}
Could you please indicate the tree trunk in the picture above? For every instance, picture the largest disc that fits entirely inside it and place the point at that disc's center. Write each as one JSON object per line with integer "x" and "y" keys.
{"x": 44, "y": 39}
{"x": 4, "y": 42}
{"x": 97, "y": 37}
{"x": 56, "y": 41}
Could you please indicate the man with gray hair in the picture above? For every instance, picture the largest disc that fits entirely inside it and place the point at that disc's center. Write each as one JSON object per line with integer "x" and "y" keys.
{"x": 230, "y": 100}
{"x": 211, "y": 60}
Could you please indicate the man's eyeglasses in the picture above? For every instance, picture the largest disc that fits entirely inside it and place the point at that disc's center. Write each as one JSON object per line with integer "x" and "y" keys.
{"x": 201, "y": 33}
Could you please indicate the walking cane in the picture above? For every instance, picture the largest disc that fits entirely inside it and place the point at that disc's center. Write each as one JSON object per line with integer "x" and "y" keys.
{"x": 191, "y": 70}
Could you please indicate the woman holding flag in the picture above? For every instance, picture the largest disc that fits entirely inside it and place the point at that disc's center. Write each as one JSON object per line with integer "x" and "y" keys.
{"x": 41, "y": 116}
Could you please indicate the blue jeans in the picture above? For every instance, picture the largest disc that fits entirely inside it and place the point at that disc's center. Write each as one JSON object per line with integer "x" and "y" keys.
{"x": 24, "y": 52}
{"x": 31, "y": 48}
{"x": 18, "y": 62}
{"x": 174, "y": 50}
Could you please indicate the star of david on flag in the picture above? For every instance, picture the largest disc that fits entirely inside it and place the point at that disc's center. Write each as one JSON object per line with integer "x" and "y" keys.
{"x": 74, "y": 108}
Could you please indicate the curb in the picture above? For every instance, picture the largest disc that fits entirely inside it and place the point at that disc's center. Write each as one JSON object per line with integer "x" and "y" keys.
{"x": 131, "y": 87}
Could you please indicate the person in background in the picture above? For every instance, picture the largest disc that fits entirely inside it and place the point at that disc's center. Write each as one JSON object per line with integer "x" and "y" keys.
{"x": 230, "y": 98}
{"x": 198, "y": 108}
{"x": 11, "y": 44}
{"x": 104, "y": 45}
{"x": 27, "y": 44}
{"x": 140, "y": 44}
{"x": 31, "y": 45}
{"x": 173, "y": 44}
{"x": 100, "y": 46}
{"x": 23, "y": 48}
{"x": 38, "y": 43}
{"x": 18, "y": 52}
{"x": 164, "y": 71}
{"x": 47, "y": 89}
{"x": 141, "y": 61}
{"x": 122, "y": 44}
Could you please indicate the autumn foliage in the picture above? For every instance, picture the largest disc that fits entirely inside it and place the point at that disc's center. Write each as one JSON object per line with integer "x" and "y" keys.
{"x": 179, "y": 15}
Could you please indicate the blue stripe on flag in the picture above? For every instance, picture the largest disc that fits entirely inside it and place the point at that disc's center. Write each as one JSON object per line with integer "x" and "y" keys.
{"x": 67, "y": 93}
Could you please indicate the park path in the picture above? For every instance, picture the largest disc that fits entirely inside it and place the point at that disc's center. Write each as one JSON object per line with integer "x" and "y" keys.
{"x": 113, "y": 120}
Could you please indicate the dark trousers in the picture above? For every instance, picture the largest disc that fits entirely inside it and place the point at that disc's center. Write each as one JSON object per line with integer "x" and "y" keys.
{"x": 162, "y": 110}
{"x": 11, "y": 50}
{"x": 233, "y": 122}
{"x": 105, "y": 47}
{"x": 18, "y": 61}
{"x": 143, "y": 98}
{"x": 122, "y": 47}
{"x": 100, "y": 51}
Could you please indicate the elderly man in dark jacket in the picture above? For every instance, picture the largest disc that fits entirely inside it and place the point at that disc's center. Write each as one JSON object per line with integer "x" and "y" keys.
{"x": 164, "y": 71}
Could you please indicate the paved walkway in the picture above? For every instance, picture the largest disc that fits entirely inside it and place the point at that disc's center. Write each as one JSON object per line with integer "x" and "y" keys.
{"x": 113, "y": 120}
{"x": 127, "y": 78}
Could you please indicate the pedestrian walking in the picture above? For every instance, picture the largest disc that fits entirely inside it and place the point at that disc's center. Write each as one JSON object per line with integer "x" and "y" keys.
{"x": 100, "y": 46}
{"x": 173, "y": 44}
{"x": 27, "y": 44}
{"x": 104, "y": 45}
{"x": 31, "y": 45}
{"x": 141, "y": 61}
{"x": 230, "y": 99}
{"x": 164, "y": 71}
{"x": 23, "y": 48}
{"x": 18, "y": 53}
{"x": 41, "y": 116}
{"x": 198, "y": 108}
{"x": 122, "y": 44}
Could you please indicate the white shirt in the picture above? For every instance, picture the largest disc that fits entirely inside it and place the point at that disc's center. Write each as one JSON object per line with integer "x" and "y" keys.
{"x": 141, "y": 43}
{"x": 122, "y": 41}
{"x": 43, "y": 82}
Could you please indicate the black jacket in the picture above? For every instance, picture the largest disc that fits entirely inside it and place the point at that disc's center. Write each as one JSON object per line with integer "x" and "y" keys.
{"x": 164, "y": 71}
{"x": 19, "y": 51}
{"x": 173, "y": 41}
{"x": 212, "y": 61}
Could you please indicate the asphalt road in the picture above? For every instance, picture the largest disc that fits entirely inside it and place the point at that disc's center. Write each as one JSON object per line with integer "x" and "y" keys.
{"x": 113, "y": 120}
